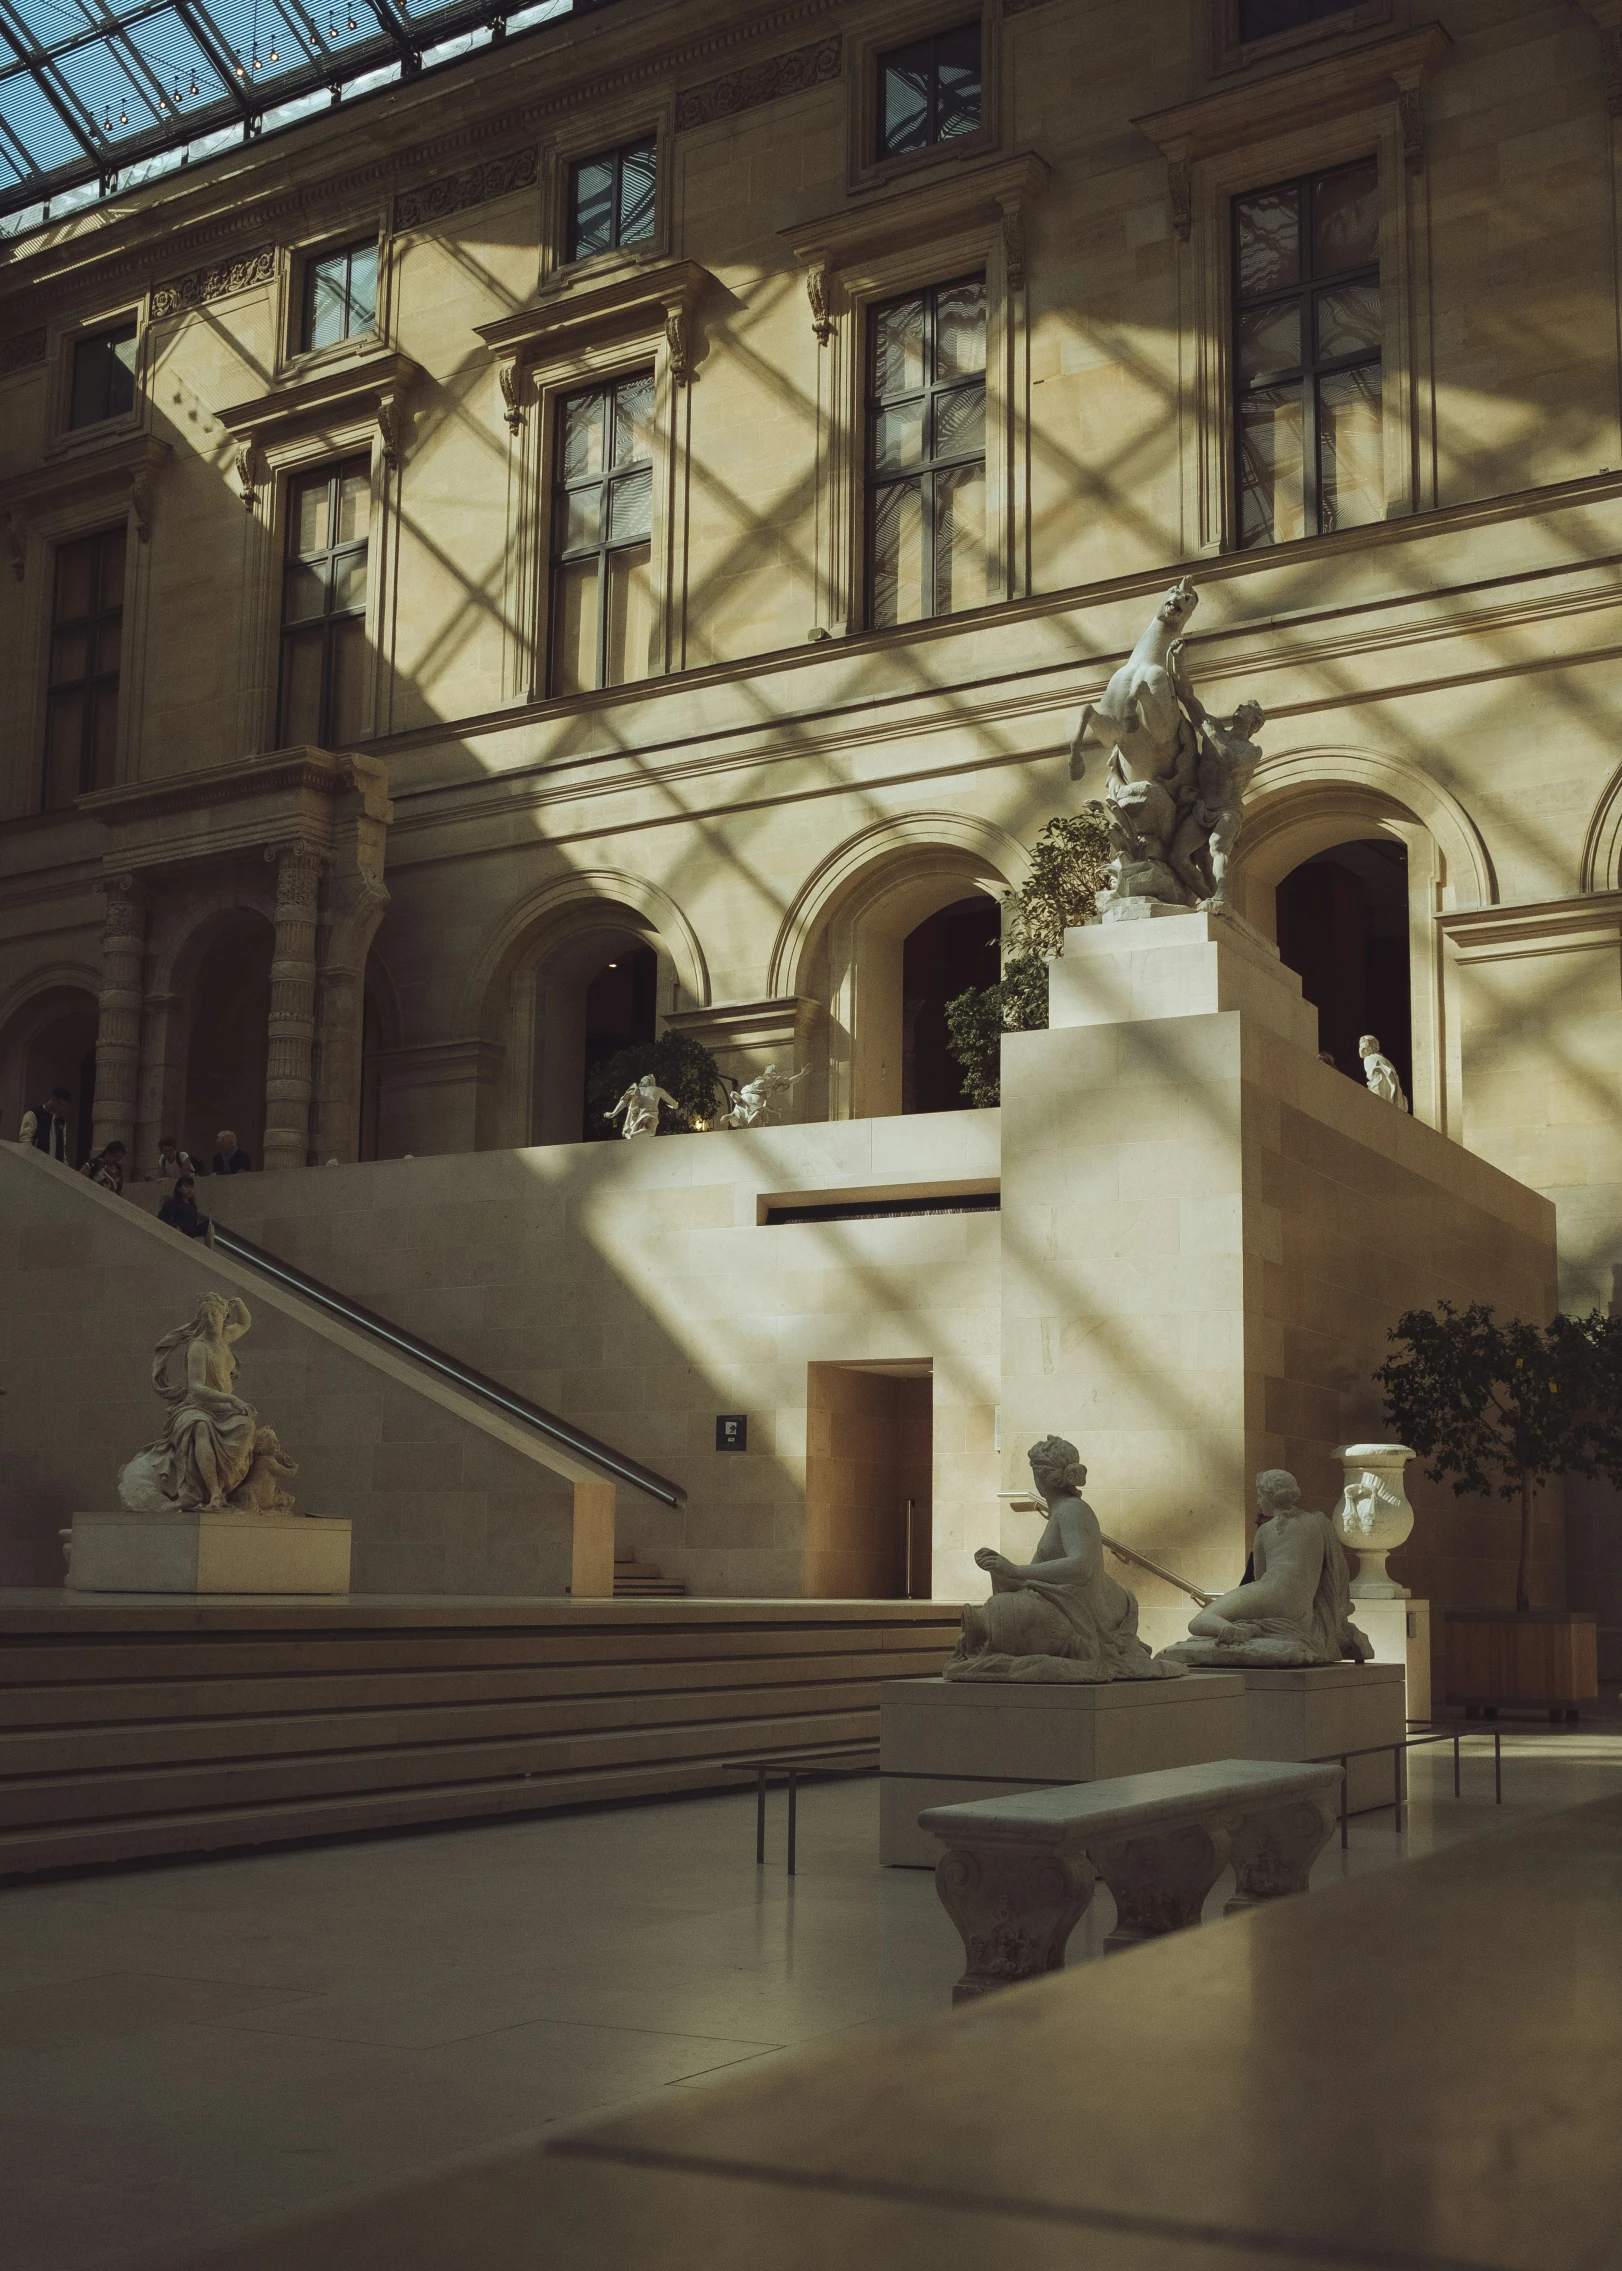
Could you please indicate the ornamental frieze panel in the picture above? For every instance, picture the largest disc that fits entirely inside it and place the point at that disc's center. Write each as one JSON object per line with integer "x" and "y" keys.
{"x": 495, "y": 177}
{"x": 22, "y": 349}
{"x": 762, "y": 82}
{"x": 200, "y": 285}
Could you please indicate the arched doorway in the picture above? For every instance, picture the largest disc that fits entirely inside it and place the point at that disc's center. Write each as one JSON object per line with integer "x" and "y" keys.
{"x": 596, "y": 992}
{"x": 956, "y": 948}
{"x": 227, "y": 1034}
{"x": 51, "y": 1043}
{"x": 1342, "y": 925}
{"x": 621, "y": 1009}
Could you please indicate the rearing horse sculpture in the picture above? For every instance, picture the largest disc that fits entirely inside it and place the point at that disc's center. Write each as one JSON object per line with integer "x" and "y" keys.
{"x": 1147, "y": 713}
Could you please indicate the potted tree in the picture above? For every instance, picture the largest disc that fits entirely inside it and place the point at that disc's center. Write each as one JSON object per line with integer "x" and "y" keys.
{"x": 1499, "y": 1408}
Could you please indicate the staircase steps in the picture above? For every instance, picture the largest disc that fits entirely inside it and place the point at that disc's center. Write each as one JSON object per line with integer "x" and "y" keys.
{"x": 643, "y": 1580}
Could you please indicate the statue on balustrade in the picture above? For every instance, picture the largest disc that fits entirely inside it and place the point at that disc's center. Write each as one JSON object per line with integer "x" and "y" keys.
{"x": 1061, "y": 1617}
{"x": 1295, "y": 1609}
{"x": 213, "y": 1452}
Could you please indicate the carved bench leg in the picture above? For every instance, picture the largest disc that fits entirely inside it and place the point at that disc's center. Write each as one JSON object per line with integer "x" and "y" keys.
{"x": 1274, "y": 1849}
{"x": 1015, "y": 1908}
{"x": 1160, "y": 1878}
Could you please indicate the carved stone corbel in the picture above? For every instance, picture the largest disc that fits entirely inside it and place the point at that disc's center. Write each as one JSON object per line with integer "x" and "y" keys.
{"x": 1411, "y": 118}
{"x": 141, "y": 503}
{"x": 1180, "y": 193}
{"x": 1013, "y": 242}
{"x": 817, "y": 291}
{"x": 391, "y": 430}
{"x": 250, "y": 472}
{"x": 678, "y": 338}
{"x": 511, "y": 379}
{"x": 17, "y": 543}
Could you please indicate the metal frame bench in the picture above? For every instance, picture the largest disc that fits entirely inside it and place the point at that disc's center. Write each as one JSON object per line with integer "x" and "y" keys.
{"x": 860, "y": 1757}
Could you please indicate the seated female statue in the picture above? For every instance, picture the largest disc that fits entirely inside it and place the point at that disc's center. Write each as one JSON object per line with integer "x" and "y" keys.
{"x": 1296, "y": 1608}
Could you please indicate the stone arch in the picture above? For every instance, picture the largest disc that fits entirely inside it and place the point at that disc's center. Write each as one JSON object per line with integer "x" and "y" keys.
{"x": 840, "y": 942}
{"x": 48, "y": 1036}
{"x": 524, "y": 999}
{"x": 1601, "y": 868}
{"x": 186, "y": 928}
{"x": 1304, "y": 802}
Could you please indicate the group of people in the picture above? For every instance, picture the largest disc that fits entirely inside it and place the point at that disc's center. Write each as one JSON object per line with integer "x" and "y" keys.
{"x": 45, "y": 1126}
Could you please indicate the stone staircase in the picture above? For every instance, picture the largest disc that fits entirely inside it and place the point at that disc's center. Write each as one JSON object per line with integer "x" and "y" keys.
{"x": 131, "y": 1728}
{"x": 643, "y": 1580}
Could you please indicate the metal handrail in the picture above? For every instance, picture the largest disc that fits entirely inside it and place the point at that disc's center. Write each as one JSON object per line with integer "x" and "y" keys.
{"x": 571, "y": 1439}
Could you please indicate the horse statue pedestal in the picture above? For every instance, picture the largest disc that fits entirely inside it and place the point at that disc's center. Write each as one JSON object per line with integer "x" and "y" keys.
{"x": 210, "y": 1550}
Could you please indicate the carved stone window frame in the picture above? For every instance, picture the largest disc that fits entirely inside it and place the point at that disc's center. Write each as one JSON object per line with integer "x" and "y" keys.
{"x": 609, "y": 127}
{"x": 895, "y": 25}
{"x": 355, "y": 225}
{"x": 1369, "y": 103}
{"x": 585, "y": 335}
{"x": 63, "y": 440}
{"x": 358, "y": 409}
{"x": 955, "y": 225}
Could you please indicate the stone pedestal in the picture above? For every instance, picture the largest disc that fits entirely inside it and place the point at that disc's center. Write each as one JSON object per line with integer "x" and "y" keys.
{"x": 944, "y": 1742}
{"x": 1322, "y": 1711}
{"x": 207, "y": 1552}
{"x": 1401, "y": 1633}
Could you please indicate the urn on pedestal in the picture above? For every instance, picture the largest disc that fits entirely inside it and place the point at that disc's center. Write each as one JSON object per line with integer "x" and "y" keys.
{"x": 1372, "y": 1515}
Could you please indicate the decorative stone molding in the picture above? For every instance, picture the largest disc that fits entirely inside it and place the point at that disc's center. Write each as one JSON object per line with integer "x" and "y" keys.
{"x": 22, "y": 350}
{"x": 370, "y": 388}
{"x": 304, "y": 794}
{"x": 428, "y": 202}
{"x": 512, "y": 382}
{"x": 17, "y": 544}
{"x": 1607, "y": 16}
{"x": 288, "y": 1084}
{"x": 250, "y": 473}
{"x": 1000, "y": 193}
{"x": 816, "y": 291}
{"x": 120, "y": 471}
{"x": 201, "y": 285}
{"x": 1587, "y": 925}
{"x": 141, "y": 502}
{"x": 659, "y": 299}
{"x": 678, "y": 338}
{"x": 761, "y": 82}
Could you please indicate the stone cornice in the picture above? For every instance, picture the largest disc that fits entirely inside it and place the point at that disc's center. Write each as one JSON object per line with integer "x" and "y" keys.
{"x": 948, "y": 201}
{"x": 123, "y": 465}
{"x": 284, "y": 773}
{"x": 646, "y": 298}
{"x": 356, "y": 386}
{"x": 1550, "y": 926}
{"x": 1349, "y": 80}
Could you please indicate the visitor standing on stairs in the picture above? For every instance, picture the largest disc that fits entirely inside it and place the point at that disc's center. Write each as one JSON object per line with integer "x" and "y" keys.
{"x": 180, "y": 1210}
{"x": 230, "y": 1158}
{"x": 46, "y": 1126}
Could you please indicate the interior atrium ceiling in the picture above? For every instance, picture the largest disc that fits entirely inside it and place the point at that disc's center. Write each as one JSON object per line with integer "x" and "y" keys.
{"x": 100, "y": 95}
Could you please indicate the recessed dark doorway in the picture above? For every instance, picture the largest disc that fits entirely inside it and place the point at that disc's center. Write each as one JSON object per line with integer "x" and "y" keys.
{"x": 869, "y": 1478}
{"x": 229, "y": 1036}
{"x": 955, "y": 949}
{"x": 1343, "y": 928}
{"x": 621, "y": 1009}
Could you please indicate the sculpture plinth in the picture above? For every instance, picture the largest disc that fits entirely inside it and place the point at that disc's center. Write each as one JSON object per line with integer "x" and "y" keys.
{"x": 207, "y": 1550}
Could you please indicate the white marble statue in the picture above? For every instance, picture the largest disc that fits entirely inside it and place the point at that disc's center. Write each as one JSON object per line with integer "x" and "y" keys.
{"x": 212, "y": 1452}
{"x": 1296, "y": 1608}
{"x": 1062, "y": 1617}
{"x": 752, "y": 1104}
{"x": 1380, "y": 1073}
{"x": 640, "y": 1104}
{"x": 1176, "y": 777}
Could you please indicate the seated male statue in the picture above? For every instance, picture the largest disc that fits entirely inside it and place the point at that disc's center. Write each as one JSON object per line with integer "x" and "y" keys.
{"x": 1296, "y": 1609}
{"x": 1062, "y": 1617}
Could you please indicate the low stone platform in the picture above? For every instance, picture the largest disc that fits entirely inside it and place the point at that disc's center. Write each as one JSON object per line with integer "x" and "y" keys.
{"x": 210, "y": 1551}
{"x": 1323, "y": 1710}
{"x": 944, "y": 1742}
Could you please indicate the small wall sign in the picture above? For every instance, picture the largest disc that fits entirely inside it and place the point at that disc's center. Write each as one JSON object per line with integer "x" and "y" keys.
{"x": 732, "y": 1431}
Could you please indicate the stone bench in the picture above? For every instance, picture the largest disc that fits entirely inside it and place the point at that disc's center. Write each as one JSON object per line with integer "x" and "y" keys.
{"x": 1018, "y": 1872}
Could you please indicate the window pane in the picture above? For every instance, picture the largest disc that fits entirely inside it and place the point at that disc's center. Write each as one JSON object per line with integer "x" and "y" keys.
{"x": 898, "y": 555}
{"x": 304, "y": 591}
{"x": 363, "y": 287}
{"x": 904, "y": 99}
{"x": 1346, "y": 218}
{"x": 1269, "y": 340}
{"x": 121, "y": 371}
{"x": 307, "y": 516}
{"x": 301, "y": 687}
{"x": 579, "y": 518}
{"x": 349, "y": 581}
{"x": 89, "y": 382}
{"x": 327, "y": 320}
{"x": 70, "y": 657}
{"x": 898, "y": 349}
{"x": 1351, "y": 469}
{"x": 75, "y": 573}
{"x": 64, "y": 743}
{"x": 630, "y": 507}
{"x": 1269, "y": 233}
{"x": 591, "y": 219}
{"x": 109, "y": 643}
{"x": 960, "y": 329}
{"x": 1348, "y": 321}
{"x": 354, "y": 507}
{"x": 630, "y": 615}
{"x": 960, "y": 538}
{"x": 636, "y": 194}
{"x": 348, "y": 671}
{"x": 582, "y": 436}
{"x": 111, "y": 583}
{"x": 1259, "y": 19}
{"x": 957, "y": 97}
{"x": 633, "y": 417}
{"x": 1271, "y": 502}
{"x": 574, "y": 646}
{"x": 103, "y": 736}
{"x": 960, "y": 422}
{"x": 898, "y": 436}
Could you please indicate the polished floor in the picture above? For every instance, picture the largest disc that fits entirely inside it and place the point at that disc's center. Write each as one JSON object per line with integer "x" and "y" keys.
{"x": 191, "y": 2053}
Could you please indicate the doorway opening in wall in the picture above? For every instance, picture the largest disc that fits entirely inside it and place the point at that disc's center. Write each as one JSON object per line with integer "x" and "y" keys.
{"x": 621, "y": 1010}
{"x": 869, "y": 1480}
{"x": 1343, "y": 929}
{"x": 228, "y": 1036}
{"x": 956, "y": 949}
{"x": 51, "y": 1043}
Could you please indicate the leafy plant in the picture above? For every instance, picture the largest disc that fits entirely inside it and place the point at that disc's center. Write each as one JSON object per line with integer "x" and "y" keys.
{"x": 1068, "y": 864}
{"x": 1500, "y": 1407}
{"x": 683, "y": 1067}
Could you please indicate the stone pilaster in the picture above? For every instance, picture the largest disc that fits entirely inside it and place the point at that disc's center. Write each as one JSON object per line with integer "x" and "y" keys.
{"x": 340, "y": 1018}
{"x": 292, "y": 1007}
{"x": 118, "y": 1034}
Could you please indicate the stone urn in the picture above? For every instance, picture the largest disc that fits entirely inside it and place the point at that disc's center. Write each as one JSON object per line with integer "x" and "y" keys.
{"x": 1372, "y": 1515}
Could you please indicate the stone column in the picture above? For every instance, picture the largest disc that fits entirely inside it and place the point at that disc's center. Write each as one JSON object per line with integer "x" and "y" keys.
{"x": 118, "y": 1034}
{"x": 340, "y": 1017}
{"x": 292, "y": 1007}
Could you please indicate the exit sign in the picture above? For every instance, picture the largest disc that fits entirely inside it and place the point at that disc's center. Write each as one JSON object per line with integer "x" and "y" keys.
{"x": 732, "y": 1431}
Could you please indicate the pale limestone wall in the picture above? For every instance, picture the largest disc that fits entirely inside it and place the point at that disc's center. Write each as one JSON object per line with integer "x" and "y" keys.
{"x": 632, "y": 1288}
{"x": 440, "y": 1502}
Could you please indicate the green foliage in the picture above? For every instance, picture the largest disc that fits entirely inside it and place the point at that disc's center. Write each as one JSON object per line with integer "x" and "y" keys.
{"x": 682, "y": 1066}
{"x": 1500, "y": 1407}
{"x": 1067, "y": 873}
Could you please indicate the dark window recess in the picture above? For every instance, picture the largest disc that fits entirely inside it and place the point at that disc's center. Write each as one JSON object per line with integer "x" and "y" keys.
{"x": 929, "y": 91}
{"x": 926, "y": 454}
{"x": 621, "y": 1010}
{"x": 1261, "y": 19}
{"x": 1307, "y": 330}
{"x": 881, "y": 1210}
{"x": 340, "y": 294}
{"x": 1343, "y": 929}
{"x": 602, "y": 527}
{"x": 959, "y": 948}
{"x": 103, "y": 376}
{"x": 611, "y": 200}
{"x": 324, "y": 606}
{"x": 87, "y": 632}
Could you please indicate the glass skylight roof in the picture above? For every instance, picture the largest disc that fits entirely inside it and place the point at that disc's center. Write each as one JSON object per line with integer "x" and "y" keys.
{"x": 101, "y": 94}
